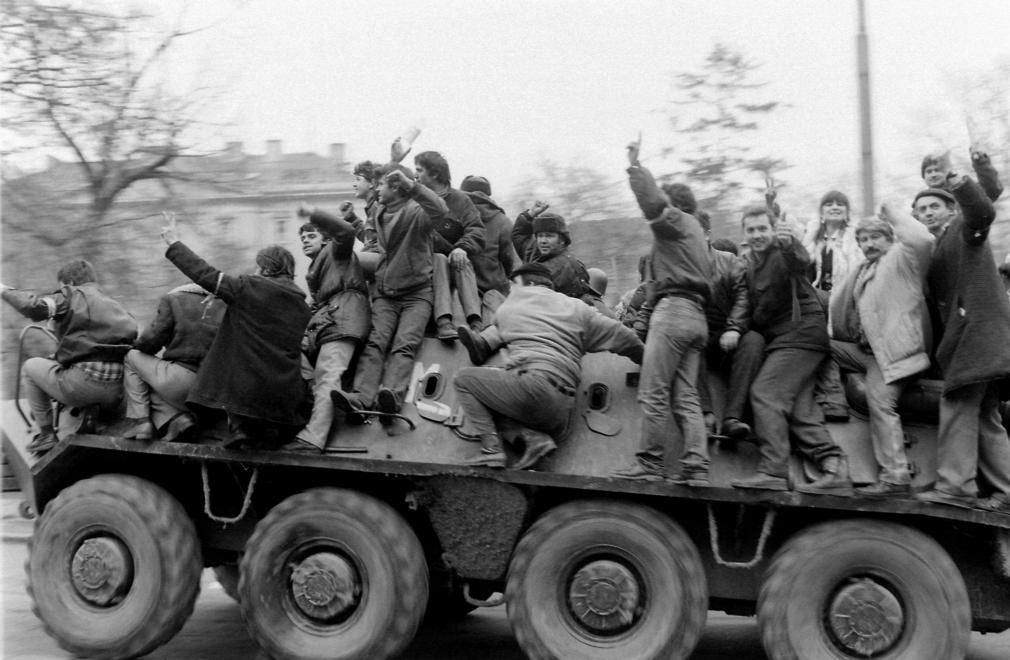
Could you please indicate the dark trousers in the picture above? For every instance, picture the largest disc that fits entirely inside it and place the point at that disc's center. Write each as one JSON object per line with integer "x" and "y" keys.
{"x": 782, "y": 398}
{"x": 525, "y": 396}
{"x": 971, "y": 439}
{"x": 742, "y": 365}
{"x": 397, "y": 330}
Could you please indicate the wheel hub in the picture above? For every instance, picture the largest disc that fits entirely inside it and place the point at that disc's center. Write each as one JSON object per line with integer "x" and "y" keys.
{"x": 325, "y": 586}
{"x": 604, "y": 596}
{"x": 866, "y": 618}
{"x": 101, "y": 570}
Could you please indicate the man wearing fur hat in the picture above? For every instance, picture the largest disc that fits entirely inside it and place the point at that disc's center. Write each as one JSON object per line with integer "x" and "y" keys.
{"x": 880, "y": 327}
{"x": 547, "y": 334}
{"x": 543, "y": 237}
{"x": 974, "y": 347}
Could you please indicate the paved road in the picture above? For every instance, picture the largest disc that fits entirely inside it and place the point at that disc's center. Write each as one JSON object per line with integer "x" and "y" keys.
{"x": 216, "y": 631}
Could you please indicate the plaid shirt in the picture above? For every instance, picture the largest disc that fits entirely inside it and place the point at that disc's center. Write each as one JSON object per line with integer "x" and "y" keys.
{"x": 105, "y": 371}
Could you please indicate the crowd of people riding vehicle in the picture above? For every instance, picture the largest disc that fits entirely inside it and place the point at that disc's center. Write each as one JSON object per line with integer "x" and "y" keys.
{"x": 248, "y": 361}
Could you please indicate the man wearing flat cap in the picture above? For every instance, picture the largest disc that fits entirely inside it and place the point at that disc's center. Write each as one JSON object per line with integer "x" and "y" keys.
{"x": 547, "y": 334}
{"x": 880, "y": 328}
{"x": 974, "y": 345}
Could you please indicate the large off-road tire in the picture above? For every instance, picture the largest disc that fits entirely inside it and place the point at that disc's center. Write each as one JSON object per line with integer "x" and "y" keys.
{"x": 863, "y": 589}
{"x": 227, "y": 577}
{"x": 601, "y": 579}
{"x": 333, "y": 574}
{"x": 113, "y": 567}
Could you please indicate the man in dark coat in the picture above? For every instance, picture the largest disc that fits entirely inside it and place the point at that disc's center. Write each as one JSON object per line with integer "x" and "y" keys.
{"x": 253, "y": 369}
{"x": 787, "y": 323}
{"x": 974, "y": 350}
{"x": 341, "y": 315}
{"x": 156, "y": 388}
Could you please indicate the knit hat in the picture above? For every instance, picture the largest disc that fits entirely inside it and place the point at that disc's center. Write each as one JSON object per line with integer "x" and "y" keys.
{"x": 934, "y": 192}
{"x": 554, "y": 223}
{"x": 873, "y": 223}
{"x": 476, "y": 184}
{"x": 537, "y": 272}
{"x": 834, "y": 196}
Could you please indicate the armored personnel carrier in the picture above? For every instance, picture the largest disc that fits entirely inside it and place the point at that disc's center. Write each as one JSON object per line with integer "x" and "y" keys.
{"x": 340, "y": 556}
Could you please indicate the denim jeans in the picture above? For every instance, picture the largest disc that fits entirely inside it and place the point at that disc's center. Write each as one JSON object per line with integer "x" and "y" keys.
{"x": 155, "y": 387}
{"x": 446, "y": 278}
{"x": 971, "y": 439}
{"x": 525, "y": 396}
{"x": 678, "y": 332}
{"x": 45, "y": 379}
{"x": 397, "y": 330}
{"x": 882, "y": 401}
{"x": 331, "y": 363}
{"x": 782, "y": 398}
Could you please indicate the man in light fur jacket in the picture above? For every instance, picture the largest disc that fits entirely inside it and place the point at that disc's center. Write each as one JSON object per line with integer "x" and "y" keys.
{"x": 880, "y": 327}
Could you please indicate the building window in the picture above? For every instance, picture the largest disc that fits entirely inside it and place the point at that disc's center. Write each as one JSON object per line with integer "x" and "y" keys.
{"x": 280, "y": 230}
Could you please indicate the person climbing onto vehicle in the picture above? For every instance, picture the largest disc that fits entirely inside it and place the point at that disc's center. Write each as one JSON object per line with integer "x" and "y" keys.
{"x": 547, "y": 333}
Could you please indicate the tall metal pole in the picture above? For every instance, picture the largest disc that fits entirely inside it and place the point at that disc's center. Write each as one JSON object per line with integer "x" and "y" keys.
{"x": 865, "y": 116}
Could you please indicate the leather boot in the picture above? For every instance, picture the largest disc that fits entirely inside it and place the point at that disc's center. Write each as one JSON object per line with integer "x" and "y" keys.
{"x": 476, "y": 346}
{"x": 492, "y": 453}
{"x": 139, "y": 429}
{"x": 834, "y": 479}
{"x": 538, "y": 445}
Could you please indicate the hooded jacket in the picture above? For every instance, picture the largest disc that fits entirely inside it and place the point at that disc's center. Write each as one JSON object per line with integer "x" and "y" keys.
{"x": 493, "y": 265}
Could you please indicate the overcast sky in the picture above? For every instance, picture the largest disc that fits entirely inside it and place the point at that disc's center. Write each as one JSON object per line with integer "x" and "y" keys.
{"x": 500, "y": 84}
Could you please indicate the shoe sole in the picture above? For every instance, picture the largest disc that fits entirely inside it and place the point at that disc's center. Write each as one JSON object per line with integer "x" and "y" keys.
{"x": 534, "y": 458}
{"x": 342, "y": 403}
{"x": 177, "y": 431}
{"x": 780, "y": 489}
{"x": 385, "y": 402}
{"x": 692, "y": 483}
{"x": 644, "y": 477}
{"x": 471, "y": 349}
{"x": 961, "y": 505}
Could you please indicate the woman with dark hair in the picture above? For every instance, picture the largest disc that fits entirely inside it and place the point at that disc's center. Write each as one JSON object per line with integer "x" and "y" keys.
{"x": 830, "y": 241}
{"x": 252, "y": 371}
